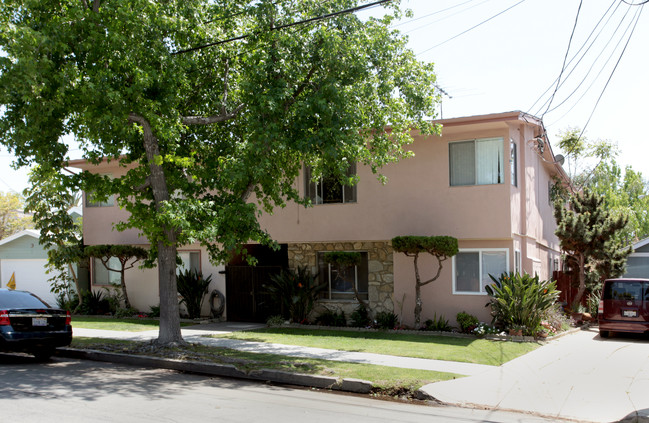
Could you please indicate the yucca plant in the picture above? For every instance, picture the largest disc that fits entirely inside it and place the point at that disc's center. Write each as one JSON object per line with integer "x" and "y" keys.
{"x": 295, "y": 292}
{"x": 192, "y": 287}
{"x": 520, "y": 300}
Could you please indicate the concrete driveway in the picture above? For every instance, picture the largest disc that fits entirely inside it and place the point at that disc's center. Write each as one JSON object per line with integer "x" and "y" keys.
{"x": 579, "y": 376}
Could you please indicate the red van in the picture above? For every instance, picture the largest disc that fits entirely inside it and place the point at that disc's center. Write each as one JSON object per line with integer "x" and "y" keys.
{"x": 624, "y": 306}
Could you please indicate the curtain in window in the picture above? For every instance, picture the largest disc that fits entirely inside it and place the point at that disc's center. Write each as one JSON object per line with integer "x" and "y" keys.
{"x": 493, "y": 263}
{"x": 489, "y": 155}
{"x": 462, "y": 162}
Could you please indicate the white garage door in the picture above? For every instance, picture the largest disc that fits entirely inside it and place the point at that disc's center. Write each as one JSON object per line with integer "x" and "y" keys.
{"x": 30, "y": 276}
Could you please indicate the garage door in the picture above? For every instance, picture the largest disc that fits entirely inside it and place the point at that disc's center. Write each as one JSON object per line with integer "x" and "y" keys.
{"x": 30, "y": 276}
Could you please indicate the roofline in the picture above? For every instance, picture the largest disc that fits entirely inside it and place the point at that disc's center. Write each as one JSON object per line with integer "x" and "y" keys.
{"x": 490, "y": 118}
{"x": 25, "y": 232}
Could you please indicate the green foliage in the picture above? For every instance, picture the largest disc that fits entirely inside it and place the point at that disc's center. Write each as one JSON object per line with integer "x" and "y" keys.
{"x": 67, "y": 299}
{"x": 115, "y": 298}
{"x": 12, "y": 219}
{"x": 360, "y": 317}
{"x": 440, "y": 247}
{"x": 342, "y": 258}
{"x": 589, "y": 236}
{"x": 467, "y": 322}
{"x": 95, "y": 303}
{"x": 295, "y": 292}
{"x": 520, "y": 301}
{"x": 193, "y": 287}
{"x": 439, "y": 324}
{"x": 435, "y": 245}
{"x": 275, "y": 320}
{"x": 199, "y": 131}
{"x": 386, "y": 320}
{"x": 123, "y": 312}
{"x": 154, "y": 311}
{"x": 331, "y": 318}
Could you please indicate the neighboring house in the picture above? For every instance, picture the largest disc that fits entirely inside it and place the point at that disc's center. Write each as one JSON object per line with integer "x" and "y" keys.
{"x": 637, "y": 265}
{"x": 22, "y": 256}
{"x": 487, "y": 181}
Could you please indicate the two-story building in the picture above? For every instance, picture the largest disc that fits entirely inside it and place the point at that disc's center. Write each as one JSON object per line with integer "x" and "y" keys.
{"x": 487, "y": 181}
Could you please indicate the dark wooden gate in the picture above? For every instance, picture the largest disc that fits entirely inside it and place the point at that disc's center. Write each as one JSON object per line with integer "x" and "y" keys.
{"x": 246, "y": 297}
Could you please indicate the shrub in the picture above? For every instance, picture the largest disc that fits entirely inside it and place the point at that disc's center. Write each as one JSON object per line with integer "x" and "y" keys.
{"x": 193, "y": 288}
{"x": 520, "y": 301}
{"x": 467, "y": 322}
{"x": 295, "y": 292}
{"x": 331, "y": 318}
{"x": 386, "y": 320}
{"x": 126, "y": 312}
{"x": 275, "y": 320}
{"x": 360, "y": 317}
{"x": 485, "y": 329}
{"x": 154, "y": 311}
{"x": 439, "y": 324}
{"x": 95, "y": 303}
{"x": 67, "y": 300}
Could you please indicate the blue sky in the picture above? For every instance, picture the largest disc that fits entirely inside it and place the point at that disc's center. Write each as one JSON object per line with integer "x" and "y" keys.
{"x": 502, "y": 55}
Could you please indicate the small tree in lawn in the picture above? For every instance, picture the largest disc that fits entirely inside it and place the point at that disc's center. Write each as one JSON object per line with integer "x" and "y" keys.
{"x": 343, "y": 261}
{"x": 127, "y": 255}
{"x": 590, "y": 238}
{"x": 440, "y": 247}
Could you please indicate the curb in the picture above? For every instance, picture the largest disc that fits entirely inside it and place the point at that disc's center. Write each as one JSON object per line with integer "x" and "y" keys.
{"x": 356, "y": 386}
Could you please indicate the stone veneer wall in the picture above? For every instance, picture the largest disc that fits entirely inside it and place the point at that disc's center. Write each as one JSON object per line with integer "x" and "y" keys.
{"x": 380, "y": 271}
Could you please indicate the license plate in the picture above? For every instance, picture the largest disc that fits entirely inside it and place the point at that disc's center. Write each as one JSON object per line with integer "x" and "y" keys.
{"x": 630, "y": 313}
{"x": 39, "y": 321}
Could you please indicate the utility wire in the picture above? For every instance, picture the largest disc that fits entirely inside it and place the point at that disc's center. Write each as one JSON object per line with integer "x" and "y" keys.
{"x": 473, "y": 27}
{"x": 445, "y": 17}
{"x": 289, "y": 25}
{"x": 575, "y": 56}
{"x": 597, "y": 59}
{"x": 563, "y": 67}
{"x": 407, "y": 21}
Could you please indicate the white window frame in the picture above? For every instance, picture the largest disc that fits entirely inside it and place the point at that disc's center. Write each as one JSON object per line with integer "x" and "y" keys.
{"x": 480, "y": 251}
{"x": 518, "y": 262}
{"x": 188, "y": 253}
{"x": 318, "y": 188}
{"x": 513, "y": 162}
{"x": 476, "y": 161}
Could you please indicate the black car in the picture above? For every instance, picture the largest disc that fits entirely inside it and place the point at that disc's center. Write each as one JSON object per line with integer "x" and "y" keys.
{"x": 29, "y": 324}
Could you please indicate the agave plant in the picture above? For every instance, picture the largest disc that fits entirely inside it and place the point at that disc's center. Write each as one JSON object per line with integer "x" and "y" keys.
{"x": 193, "y": 288}
{"x": 295, "y": 292}
{"x": 520, "y": 300}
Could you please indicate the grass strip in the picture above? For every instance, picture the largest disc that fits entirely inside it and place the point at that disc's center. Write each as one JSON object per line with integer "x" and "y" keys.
{"x": 134, "y": 324}
{"x": 467, "y": 350}
{"x": 387, "y": 380}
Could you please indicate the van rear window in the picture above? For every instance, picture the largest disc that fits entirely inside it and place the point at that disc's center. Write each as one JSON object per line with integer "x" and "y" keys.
{"x": 630, "y": 291}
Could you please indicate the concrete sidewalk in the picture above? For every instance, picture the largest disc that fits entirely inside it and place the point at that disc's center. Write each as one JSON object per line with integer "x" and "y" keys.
{"x": 197, "y": 334}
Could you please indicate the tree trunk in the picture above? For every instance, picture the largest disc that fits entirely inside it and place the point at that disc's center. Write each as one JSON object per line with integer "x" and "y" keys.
{"x": 127, "y": 303}
{"x": 582, "y": 283}
{"x": 418, "y": 305}
{"x": 169, "y": 311}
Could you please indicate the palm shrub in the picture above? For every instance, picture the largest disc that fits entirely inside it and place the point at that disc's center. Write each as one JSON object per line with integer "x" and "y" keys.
{"x": 295, "y": 292}
{"x": 520, "y": 301}
{"x": 192, "y": 287}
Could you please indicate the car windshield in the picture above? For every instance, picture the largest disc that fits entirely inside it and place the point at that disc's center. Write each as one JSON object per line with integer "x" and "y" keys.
{"x": 626, "y": 290}
{"x": 20, "y": 299}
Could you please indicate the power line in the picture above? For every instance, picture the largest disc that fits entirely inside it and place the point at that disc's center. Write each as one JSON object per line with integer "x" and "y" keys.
{"x": 473, "y": 27}
{"x": 445, "y": 17}
{"x": 289, "y": 25}
{"x": 563, "y": 66}
{"x": 407, "y": 21}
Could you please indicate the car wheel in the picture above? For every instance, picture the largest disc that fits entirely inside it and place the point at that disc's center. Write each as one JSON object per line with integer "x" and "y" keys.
{"x": 43, "y": 354}
{"x": 603, "y": 333}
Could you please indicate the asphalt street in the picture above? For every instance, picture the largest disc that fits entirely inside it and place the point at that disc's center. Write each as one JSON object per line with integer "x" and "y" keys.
{"x": 83, "y": 391}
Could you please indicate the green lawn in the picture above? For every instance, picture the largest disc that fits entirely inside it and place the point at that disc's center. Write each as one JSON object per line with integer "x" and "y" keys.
{"x": 109, "y": 323}
{"x": 467, "y": 350}
{"x": 388, "y": 380}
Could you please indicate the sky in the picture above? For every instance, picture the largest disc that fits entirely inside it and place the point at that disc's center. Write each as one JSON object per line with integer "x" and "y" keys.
{"x": 496, "y": 56}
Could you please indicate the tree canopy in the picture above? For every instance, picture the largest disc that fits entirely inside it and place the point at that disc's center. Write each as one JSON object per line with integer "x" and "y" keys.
{"x": 212, "y": 106}
{"x": 589, "y": 236}
{"x": 12, "y": 219}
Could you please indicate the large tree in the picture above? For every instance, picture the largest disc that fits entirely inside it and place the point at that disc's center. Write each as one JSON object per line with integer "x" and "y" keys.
{"x": 12, "y": 217}
{"x": 590, "y": 238}
{"x": 212, "y": 106}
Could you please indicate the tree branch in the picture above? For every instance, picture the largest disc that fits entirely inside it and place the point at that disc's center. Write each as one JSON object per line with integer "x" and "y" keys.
{"x": 84, "y": 3}
{"x": 208, "y": 120}
{"x": 95, "y": 5}
{"x": 439, "y": 271}
{"x": 246, "y": 194}
{"x": 225, "y": 87}
{"x": 301, "y": 88}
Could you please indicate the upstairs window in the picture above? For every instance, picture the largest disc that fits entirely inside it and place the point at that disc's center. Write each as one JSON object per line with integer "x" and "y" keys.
{"x": 329, "y": 189}
{"x": 477, "y": 162}
{"x": 513, "y": 161}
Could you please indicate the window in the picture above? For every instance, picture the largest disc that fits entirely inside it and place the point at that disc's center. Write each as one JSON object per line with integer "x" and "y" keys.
{"x": 341, "y": 286}
{"x": 471, "y": 269}
{"x": 103, "y": 276}
{"x": 517, "y": 262}
{"x": 513, "y": 162}
{"x": 91, "y": 202}
{"x": 329, "y": 189}
{"x": 476, "y": 162}
{"x": 191, "y": 260}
